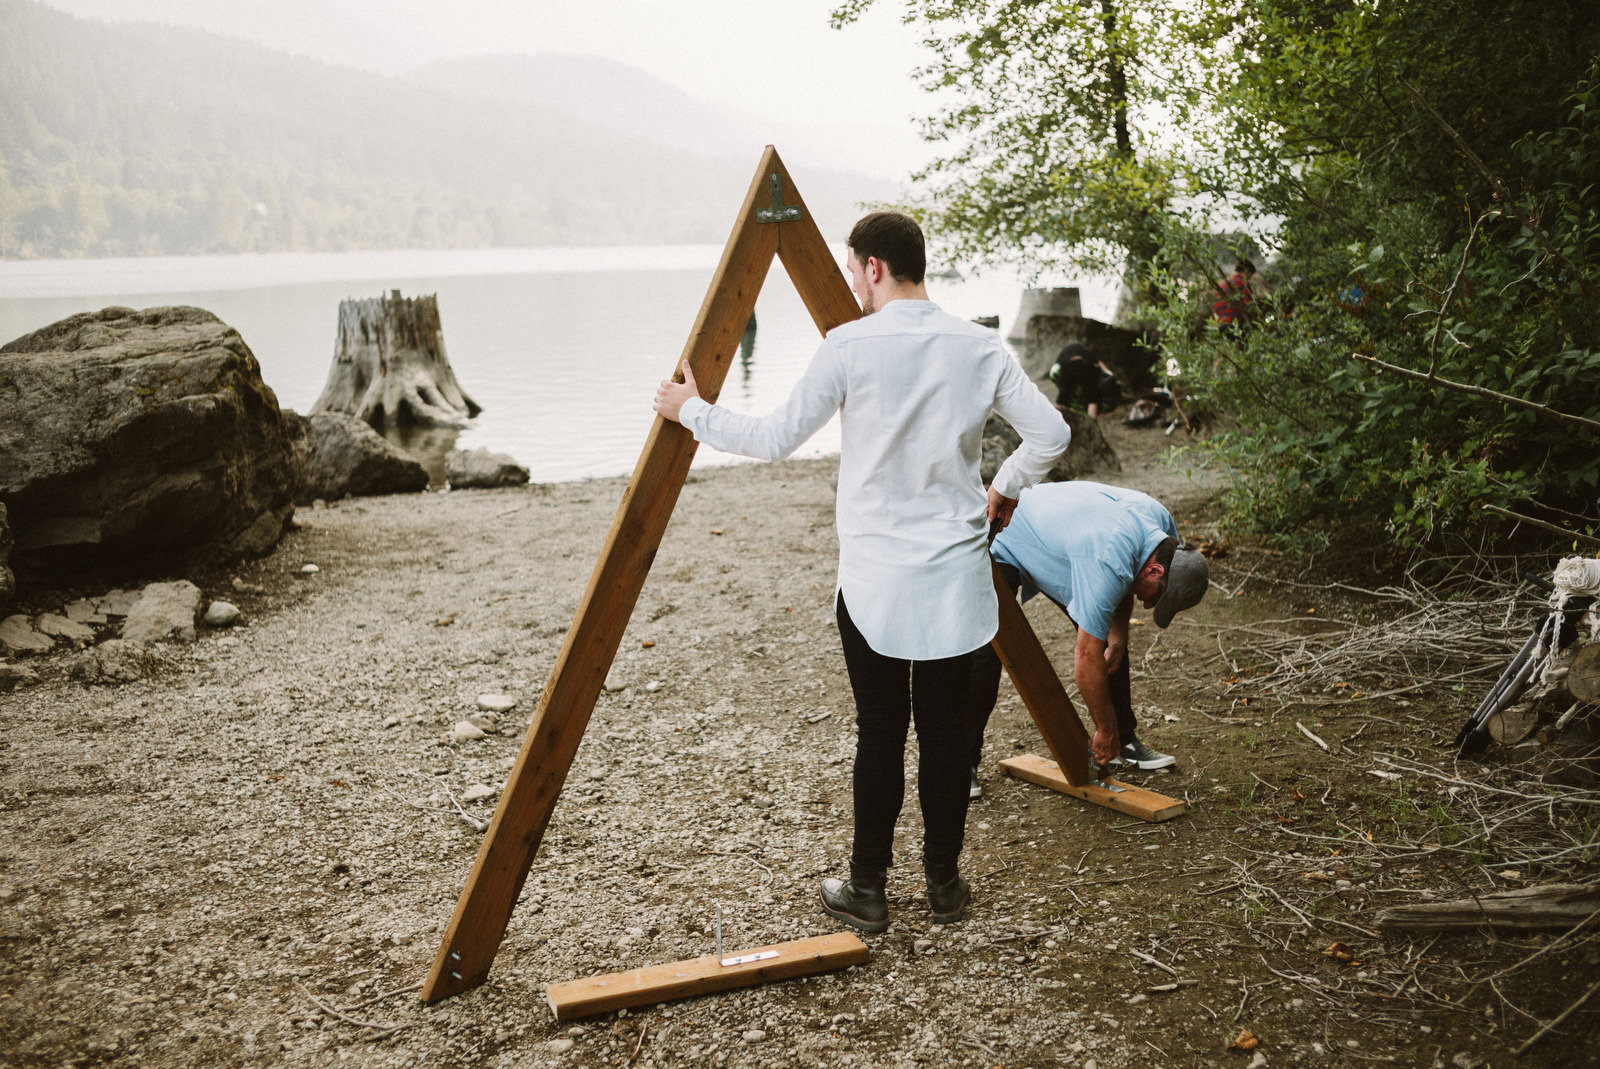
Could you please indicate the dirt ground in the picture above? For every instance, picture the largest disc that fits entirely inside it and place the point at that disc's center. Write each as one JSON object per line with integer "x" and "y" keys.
{"x": 249, "y": 858}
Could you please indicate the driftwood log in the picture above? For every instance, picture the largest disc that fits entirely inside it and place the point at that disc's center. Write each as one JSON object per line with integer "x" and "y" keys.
{"x": 1556, "y": 905}
{"x": 390, "y": 365}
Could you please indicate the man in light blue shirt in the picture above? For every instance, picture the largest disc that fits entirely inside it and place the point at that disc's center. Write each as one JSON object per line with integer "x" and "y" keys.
{"x": 1092, "y": 549}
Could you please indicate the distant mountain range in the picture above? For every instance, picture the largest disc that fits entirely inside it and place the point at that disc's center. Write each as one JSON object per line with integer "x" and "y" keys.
{"x": 136, "y": 139}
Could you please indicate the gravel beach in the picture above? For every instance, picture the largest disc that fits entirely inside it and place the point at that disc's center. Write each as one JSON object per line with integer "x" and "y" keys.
{"x": 249, "y": 857}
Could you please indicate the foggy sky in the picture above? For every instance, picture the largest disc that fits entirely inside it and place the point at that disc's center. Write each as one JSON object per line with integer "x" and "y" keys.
{"x": 775, "y": 58}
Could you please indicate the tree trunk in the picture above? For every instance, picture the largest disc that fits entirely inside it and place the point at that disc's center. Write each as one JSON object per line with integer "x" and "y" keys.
{"x": 390, "y": 365}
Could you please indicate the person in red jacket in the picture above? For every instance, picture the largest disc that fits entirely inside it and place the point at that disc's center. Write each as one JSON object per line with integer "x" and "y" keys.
{"x": 1231, "y": 309}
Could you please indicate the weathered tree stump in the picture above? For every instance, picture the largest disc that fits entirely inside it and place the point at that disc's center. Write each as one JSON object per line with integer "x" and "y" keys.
{"x": 390, "y": 365}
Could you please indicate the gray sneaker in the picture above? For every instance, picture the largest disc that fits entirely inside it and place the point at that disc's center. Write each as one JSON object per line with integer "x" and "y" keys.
{"x": 1139, "y": 755}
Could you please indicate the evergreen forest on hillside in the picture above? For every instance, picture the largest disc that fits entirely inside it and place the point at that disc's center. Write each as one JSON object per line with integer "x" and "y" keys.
{"x": 132, "y": 139}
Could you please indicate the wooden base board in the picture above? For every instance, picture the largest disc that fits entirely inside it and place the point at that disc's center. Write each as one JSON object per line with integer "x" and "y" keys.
{"x": 1111, "y": 793}
{"x": 699, "y": 976}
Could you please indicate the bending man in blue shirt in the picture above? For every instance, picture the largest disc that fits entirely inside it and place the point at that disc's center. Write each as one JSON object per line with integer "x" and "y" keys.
{"x": 1092, "y": 549}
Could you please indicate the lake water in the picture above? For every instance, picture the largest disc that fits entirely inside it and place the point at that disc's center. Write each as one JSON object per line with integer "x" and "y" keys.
{"x": 563, "y": 348}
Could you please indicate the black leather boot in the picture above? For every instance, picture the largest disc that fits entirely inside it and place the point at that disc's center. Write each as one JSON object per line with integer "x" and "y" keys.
{"x": 948, "y": 893}
{"x": 858, "y": 901}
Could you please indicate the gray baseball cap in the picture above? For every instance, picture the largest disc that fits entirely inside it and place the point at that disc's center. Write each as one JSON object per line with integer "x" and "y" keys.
{"x": 1187, "y": 581}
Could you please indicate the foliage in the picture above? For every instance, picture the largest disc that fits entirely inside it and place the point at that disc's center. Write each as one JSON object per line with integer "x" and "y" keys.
{"x": 1057, "y": 123}
{"x": 1393, "y": 245}
{"x": 1290, "y": 128}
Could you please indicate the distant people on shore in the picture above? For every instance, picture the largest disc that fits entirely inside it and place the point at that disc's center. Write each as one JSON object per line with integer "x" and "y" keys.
{"x": 1083, "y": 382}
{"x": 1232, "y": 308}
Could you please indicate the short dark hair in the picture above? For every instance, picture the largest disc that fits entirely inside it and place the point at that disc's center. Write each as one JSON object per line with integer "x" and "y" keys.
{"x": 895, "y": 239}
{"x": 1166, "y": 551}
{"x": 1244, "y": 266}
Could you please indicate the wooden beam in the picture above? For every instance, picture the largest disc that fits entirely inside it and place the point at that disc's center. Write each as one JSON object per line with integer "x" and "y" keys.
{"x": 815, "y": 274}
{"x": 701, "y": 976}
{"x": 484, "y": 908}
{"x": 1111, "y": 793}
{"x": 1036, "y": 680}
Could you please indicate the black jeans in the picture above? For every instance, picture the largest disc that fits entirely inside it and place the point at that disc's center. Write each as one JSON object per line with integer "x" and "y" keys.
{"x": 891, "y": 694}
{"x": 986, "y": 670}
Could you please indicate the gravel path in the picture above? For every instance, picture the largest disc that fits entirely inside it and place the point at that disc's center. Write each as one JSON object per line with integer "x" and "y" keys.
{"x": 249, "y": 858}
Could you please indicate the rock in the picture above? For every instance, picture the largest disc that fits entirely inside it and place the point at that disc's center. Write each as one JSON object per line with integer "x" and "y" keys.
{"x": 164, "y": 611}
{"x": 82, "y": 611}
{"x": 480, "y": 468}
{"x": 466, "y": 732}
{"x": 14, "y": 675}
{"x": 341, "y": 456}
{"x": 754, "y": 1035}
{"x": 116, "y": 602}
{"x": 221, "y": 614}
{"x": 61, "y": 627}
{"x": 560, "y": 1046}
{"x": 477, "y": 793}
{"x": 309, "y": 569}
{"x": 1088, "y": 454}
{"x": 19, "y": 636}
{"x": 923, "y": 946}
{"x": 114, "y": 661}
{"x": 8, "y": 582}
{"x": 496, "y": 703}
{"x": 134, "y": 437}
{"x": 488, "y": 723}
{"x": 614, "y": 683}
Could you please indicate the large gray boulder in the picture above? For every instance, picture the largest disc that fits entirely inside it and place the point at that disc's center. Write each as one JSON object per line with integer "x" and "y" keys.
{"x": 131, "y": 437}
{"x": 8, "y": 582}
{"x": 481, "y": 468}
{"x": 1088, "y": 454}
{"x": 342, "y": 456}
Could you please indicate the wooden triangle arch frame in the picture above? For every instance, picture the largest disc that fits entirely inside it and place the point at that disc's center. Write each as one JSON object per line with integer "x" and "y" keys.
{"x": 772, "y": 221}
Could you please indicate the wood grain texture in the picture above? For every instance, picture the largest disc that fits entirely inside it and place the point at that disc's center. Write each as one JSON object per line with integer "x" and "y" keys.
{"x": 1111, "y": 793}
{"x": 1041, "y": 690}
{"x": 703, "y": 975}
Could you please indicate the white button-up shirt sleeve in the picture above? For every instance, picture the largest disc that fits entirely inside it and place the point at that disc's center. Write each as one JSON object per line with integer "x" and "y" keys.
{"x": 913, "y": 386}
{"x": 1045, "y": 435}
{"x": 812, "y": 402}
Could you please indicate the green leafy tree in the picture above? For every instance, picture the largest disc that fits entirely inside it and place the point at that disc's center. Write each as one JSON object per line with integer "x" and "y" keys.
{"x": 1060, "y": 119}
{"x": 1421, "y": 356}
{"x": 1424, "y": 175}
